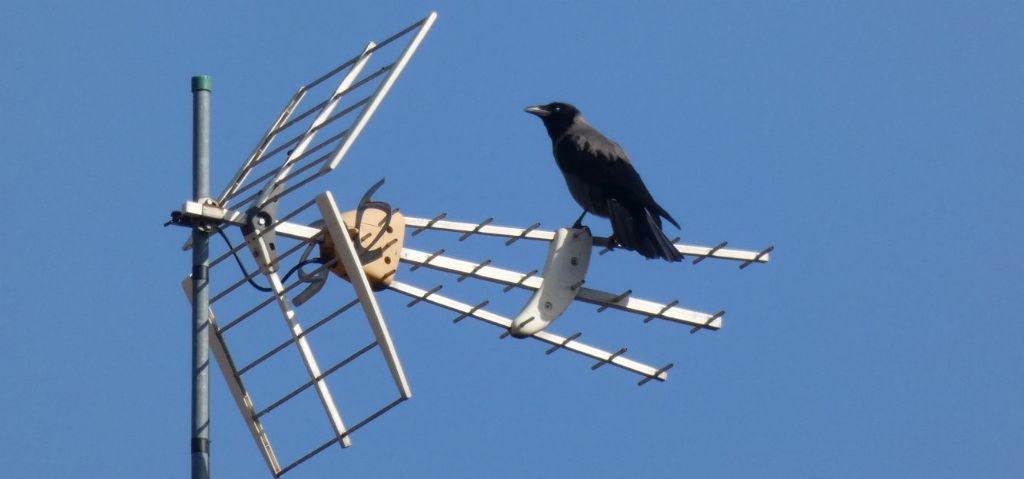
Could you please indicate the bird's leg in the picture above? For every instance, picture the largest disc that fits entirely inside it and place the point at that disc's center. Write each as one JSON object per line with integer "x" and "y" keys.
{"x": 579, "y": 221}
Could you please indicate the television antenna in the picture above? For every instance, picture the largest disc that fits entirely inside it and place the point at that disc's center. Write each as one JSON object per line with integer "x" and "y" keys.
{"x": 365, "y": 246}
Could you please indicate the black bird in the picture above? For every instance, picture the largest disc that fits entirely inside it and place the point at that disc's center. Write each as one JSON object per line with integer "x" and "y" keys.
{"x": 602, "y": 180}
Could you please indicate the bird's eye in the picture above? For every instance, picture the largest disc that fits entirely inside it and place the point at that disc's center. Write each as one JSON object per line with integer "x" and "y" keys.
{"x": 558, "y": 108}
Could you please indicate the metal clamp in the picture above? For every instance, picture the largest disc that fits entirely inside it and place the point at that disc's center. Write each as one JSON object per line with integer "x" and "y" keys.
{"x": 662, "y": 311}
{"x": 711, "y": 252}
{"x": 427, "y": 261}
{"x": 520, "y": 282}
{"x": 758, "y": 257}
{"x": 425, "y": 296}
{"x": 180, "y": 219}
{"x": 563, "y": 343}
{"x": 476, "y": 229}
{"x": 476, "y": 268}
{"x": 655, "y": 375}
{"x": 523, "y": 234}
{"x": 615, "y": 300}
{"x": 709, "y": 321}
{"x": 429, "y": 223}
{"x": 471, "y": 311}
{"x": 610, "y": 359}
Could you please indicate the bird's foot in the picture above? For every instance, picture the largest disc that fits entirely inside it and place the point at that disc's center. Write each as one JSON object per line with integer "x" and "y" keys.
{"x": 579, "y": 221}
{"x": 612, "y": 243}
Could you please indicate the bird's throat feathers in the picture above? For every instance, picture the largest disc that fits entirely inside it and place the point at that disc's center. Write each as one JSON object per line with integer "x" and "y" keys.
{"x": 557, "y": 127}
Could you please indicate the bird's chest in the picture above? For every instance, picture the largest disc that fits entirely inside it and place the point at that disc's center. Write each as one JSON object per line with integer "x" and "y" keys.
{"x": 570, "y": 155}
{"x": 573, "y": 161}
{"x": 588, "y": 196}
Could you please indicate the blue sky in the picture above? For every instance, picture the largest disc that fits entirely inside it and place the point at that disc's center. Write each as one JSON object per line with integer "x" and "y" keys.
{"x": 877, "y": 145}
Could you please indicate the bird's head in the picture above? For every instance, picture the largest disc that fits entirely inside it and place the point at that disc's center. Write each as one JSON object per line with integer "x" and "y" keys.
{"x": 557, "y": 116}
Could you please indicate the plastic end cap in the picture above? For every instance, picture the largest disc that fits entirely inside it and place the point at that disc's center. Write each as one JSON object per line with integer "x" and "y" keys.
{"x": 202, "y": 82}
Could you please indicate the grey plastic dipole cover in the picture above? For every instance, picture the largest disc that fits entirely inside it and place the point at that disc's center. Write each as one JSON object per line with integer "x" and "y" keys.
{"x": 564, "y": 270}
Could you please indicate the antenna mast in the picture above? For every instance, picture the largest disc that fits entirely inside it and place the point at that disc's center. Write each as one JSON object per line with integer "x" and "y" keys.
{"x": 201, "y": 86}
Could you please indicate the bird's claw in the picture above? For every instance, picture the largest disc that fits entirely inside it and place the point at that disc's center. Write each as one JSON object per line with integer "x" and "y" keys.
{"x": 579, "y": 221}
{"x": 578, "y": 226}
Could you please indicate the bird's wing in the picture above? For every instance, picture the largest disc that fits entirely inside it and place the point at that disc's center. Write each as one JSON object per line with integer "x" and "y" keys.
{"x": 603, "y": 164}
{"x": 594, "y": 158}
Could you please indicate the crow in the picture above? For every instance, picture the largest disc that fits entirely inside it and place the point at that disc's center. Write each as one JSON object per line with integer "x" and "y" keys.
{"x": 602, "y": 180}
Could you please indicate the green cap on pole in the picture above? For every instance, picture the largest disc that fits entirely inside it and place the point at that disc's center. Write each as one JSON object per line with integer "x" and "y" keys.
{"x": 202, "y": 82}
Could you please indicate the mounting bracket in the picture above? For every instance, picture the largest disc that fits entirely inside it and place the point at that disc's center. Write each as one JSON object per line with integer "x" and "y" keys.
{"x": 564, "y": 270}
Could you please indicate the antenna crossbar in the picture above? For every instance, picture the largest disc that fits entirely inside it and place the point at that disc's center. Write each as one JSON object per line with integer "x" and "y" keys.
{"x": 308, "y": 359}
{"x": 382, "y": 91}
{"x": 532, "y": 282}
{"x": 353, "y": 87}
{"x": 238, "y": 392}
{"x": 320, "y": 145}
{"x": 322, "y": 116}
{"x": 274, "y": 196}
{"x": 330, "y": 442}
{"x": 271, "y": 299}
{"x": 319, "y": 377}
{"x": 261, "y": 146}
{"x": 570, "y": 344}
{"x": 487, "y": 229}
{"x": 287, "y": 118}
{"x": 266, "y": 176}
{"x": 382, "y": 44}
{"x": 307, "y": 331}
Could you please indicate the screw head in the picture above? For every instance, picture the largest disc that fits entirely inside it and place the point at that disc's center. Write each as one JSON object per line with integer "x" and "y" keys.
{"x": 547, "y": 305}
{"x": 574, "y": 261}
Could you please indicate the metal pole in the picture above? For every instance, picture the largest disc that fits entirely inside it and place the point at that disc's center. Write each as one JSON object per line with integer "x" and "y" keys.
{"x": 201, "y": 85}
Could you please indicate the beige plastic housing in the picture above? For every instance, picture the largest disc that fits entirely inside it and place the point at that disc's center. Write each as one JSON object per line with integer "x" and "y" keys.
{"x": 380, "y": 272}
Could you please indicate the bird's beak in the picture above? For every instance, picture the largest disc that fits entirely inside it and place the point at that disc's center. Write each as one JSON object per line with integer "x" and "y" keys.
{"x": 537, "y": 110}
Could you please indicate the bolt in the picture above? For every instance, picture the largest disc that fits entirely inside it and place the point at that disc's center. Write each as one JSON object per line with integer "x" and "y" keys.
{"x": 574, "y": 261}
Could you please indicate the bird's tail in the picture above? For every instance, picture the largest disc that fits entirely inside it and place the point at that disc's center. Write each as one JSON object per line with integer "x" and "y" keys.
{"x": 638, "y": 230}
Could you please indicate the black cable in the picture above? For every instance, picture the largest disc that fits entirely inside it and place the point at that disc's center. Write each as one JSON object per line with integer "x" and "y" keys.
{"x": 246, "y": 273}
{"x": 295, "y": 268}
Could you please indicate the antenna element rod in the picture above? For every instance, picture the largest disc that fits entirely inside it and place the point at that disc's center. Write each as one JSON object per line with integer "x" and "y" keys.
{"x": 201, "y": 86}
